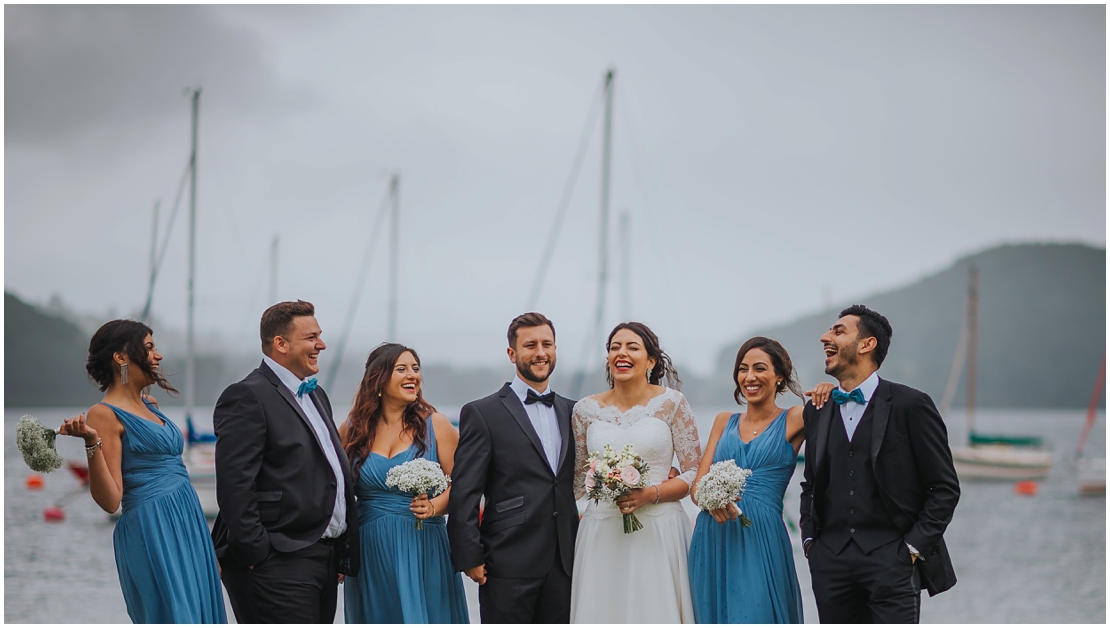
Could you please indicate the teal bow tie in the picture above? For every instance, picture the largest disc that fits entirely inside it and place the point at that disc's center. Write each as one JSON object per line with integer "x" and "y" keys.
{"x": 841, "y": 398}
{"x": 307, "y": 387}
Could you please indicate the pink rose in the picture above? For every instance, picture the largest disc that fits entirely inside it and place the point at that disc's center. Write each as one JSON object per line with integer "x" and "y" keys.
{"x": 590, "y": 483}
{"x": 630, "y": 476}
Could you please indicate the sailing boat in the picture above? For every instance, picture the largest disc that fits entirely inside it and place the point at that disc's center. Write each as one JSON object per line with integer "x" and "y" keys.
{"x": 1091, "y": 472}
{"x": 992, "y": 457}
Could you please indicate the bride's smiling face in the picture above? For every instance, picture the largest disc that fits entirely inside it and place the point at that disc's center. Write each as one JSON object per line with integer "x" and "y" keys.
{"x": 628, "y": 360}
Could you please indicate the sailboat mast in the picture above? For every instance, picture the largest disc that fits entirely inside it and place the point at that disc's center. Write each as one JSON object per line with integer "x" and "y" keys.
{"x": 972, "y": 342}
{"x": 603, "y": 232}
{"x": 273, "y": 269}
{"x": 625, "y": 244}
{"x": 190, "y": 363}
{"x": 394, "y": 232}
{"x": 153, "y": 256}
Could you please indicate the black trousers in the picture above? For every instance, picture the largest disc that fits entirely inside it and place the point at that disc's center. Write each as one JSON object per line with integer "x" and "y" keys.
{"x": 298, "y": 587}
{"x": 852, "y": 587}
{"x": 543, "y": 600}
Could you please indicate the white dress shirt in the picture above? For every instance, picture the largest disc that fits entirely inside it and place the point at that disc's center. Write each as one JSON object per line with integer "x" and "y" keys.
{"x": 543, "y": 420}
{"x": 851, "y": 412}
{"x": 338, "y": 523}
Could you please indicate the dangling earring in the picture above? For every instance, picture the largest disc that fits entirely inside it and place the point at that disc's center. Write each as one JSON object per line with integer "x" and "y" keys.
{"x": 379, "y": 392}
{"x": 123, "y": 373}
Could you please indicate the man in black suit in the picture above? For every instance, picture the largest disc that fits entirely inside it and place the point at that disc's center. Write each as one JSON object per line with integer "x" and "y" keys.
{"x": 287, "y": 526}
{"x": 879, "y": 487}
{"x": 515, "y": 449}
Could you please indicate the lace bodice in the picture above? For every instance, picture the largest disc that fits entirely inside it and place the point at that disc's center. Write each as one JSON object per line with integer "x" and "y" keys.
{"x": 658, "y": 430}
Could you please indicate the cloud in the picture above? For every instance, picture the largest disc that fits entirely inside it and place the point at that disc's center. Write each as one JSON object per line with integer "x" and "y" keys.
{"x": 73, "y": 69}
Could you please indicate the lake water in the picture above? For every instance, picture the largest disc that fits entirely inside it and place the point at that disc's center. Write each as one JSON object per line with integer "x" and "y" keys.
{"x": 1019, "y": 559}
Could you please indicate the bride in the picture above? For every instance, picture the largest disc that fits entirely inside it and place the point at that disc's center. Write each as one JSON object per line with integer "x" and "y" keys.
{"x": 639, "y": 577}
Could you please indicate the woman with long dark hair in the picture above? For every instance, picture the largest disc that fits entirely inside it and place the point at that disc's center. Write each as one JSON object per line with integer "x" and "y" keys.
{"x": 167, "y": 566}
{"x": 746, "y": 574}
{"x": 637, "y": 577}
{"x": 406, "y": 574}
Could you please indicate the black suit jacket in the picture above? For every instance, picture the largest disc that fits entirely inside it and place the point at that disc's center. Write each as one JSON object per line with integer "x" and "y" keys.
{"x": 528, "y": 506}
{"x": 274, "y": 485}
{"x": 913, "y": 468}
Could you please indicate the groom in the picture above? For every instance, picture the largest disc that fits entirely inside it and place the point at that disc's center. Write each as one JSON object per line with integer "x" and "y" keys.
{"x": 515, "y": 449}
{"x": 879, "y": 487}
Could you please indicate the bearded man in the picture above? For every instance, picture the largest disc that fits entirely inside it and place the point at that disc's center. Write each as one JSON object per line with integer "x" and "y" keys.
{"x": 515, "y": 450}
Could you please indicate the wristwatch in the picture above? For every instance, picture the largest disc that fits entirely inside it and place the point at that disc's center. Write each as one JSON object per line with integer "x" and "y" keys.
{"x": 913, "y": 552}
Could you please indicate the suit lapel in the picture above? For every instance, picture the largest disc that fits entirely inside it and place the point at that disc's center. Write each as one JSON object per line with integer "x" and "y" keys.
{"x": 287, "y": 394}
{"x": 516, "y": 408}
{"x": 325, "y": 412}
{"x": 881, "y": 403}
{"x": 824, "y": 421}
{"x": 562, "y": 413}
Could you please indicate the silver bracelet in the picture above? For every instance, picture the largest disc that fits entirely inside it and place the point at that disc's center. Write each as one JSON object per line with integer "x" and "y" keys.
{"x": 90, "y": 451}
{"x": 656, "y": 493}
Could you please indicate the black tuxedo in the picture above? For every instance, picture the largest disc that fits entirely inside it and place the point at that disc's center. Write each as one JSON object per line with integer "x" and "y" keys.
{"x": 907, "y": 470}
{"x": 276, "y": 492}
{"x": 525, "y": 536}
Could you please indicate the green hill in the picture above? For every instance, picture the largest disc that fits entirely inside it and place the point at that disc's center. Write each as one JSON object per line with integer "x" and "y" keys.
{"x": 44, "y": 359}
{"x": 1042, "y": 327}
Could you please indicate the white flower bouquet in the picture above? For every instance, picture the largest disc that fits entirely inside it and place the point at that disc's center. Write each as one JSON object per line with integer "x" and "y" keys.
{"x": 418, "y": 476}
{"x": 609, "y": 476}
{"x": 722, "y": 486}
{"x": 36, "y": 443}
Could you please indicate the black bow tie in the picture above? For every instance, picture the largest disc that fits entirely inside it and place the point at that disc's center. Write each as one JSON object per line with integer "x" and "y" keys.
{"x": 547, "y": 399}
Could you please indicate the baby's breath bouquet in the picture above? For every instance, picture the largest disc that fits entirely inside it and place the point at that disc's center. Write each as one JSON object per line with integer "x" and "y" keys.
{"x": 418, "y": 476}
{"x": 609, "y": 476}
{"x": 721, "y": 486}
{"x": 36, "y": 443}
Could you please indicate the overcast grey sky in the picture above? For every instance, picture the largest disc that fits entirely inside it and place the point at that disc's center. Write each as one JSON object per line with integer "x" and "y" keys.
{"x": 767, "y": 155}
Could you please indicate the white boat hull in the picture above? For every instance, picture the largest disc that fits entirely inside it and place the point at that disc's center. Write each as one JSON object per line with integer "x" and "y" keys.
{"x": 201, "y": 464}
{"x": 1001, "y": 462}
{"x": 1091, "y": 473}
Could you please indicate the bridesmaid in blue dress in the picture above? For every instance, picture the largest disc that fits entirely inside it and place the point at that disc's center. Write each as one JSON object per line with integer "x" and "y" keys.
{"x": 744, "y": 574}
{"x": 164, "y": 555}
{"x": 406, "y": 575}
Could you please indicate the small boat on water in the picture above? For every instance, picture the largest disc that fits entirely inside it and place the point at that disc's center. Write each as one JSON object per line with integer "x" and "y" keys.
{"x": 1090, "y": 473}
{"x": 989, "y": 457}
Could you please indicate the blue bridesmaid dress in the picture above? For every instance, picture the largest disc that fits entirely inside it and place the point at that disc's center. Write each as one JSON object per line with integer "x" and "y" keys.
{"x": 406, "y": 575}
{"x": 745, "y": 575}
{"x": 164, "y": 555}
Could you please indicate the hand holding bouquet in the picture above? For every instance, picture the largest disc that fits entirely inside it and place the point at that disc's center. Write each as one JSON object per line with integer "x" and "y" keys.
{"x": 36, "y": 443}
{"x": 722, "y": 486}
{"x": 610, "y": 476}
{"x": 419, "y": 476}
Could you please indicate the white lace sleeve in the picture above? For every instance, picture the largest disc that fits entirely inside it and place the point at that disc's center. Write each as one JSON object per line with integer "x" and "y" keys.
{"x": 579, "y": 422}
{"x": 684, "y": 437}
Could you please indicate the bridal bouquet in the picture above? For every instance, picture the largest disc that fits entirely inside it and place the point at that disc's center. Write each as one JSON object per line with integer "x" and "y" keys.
{"x": 721, "y": 486}
{"x": 610, "y": 475}
{"x": 418, "y": 476}
{"x": 36, "y": 443}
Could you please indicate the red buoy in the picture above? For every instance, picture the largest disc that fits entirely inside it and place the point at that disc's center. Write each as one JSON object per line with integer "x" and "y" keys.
{"x": 53, "y": 513}
{"x": 1026, "y": 487}
{"x": 35, "y": 482}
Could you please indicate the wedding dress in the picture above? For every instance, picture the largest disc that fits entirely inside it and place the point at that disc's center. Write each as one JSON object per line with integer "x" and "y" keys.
{"x": 639, "y": 577}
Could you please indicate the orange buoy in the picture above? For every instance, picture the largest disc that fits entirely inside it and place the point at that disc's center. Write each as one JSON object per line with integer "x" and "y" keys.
{"x": 35, "y": 482}
{"x": 1025, "y": 487}
{"x": 53, "y": 513}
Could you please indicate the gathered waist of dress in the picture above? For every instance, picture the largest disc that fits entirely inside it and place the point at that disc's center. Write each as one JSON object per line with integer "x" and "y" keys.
{"x": 140, "y": 490}
{"x": 609, "y": 509}
{"x": 388, "y": 505}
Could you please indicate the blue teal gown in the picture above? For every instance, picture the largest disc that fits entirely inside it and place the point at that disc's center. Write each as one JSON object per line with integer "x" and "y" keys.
{"x": 742, "y": 575}
{"x": 164, "y": 554}
{"x": 406, "y": 575}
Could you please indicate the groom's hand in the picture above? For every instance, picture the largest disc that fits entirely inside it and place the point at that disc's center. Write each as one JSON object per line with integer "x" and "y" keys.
{"x": 477, "y": 574}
